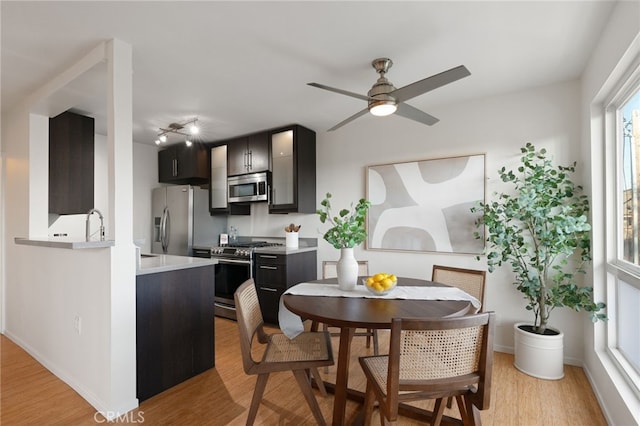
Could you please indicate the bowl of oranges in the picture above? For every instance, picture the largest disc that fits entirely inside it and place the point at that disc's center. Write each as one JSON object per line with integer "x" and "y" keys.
{"x": 381, "y": 283}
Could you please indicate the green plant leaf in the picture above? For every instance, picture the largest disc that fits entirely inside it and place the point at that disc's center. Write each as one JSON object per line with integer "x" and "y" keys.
{"x": 348, "y": 227}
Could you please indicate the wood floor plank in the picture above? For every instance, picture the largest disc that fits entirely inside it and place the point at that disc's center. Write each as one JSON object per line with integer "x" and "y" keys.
{"x": 30, "y": 394}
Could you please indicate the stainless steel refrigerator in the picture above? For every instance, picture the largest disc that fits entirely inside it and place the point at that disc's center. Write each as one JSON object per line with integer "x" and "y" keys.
{"x": 181, "y": 220}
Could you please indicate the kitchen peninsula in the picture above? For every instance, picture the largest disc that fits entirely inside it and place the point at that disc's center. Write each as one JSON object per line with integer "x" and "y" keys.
{"x": 174, "y": 321}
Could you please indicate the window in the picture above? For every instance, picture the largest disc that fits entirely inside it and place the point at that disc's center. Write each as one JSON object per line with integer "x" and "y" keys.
{"x": 623, "y": 298}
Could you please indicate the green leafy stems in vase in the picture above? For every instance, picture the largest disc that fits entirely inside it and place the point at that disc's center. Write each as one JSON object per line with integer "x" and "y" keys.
{"x": 348, "y": 228}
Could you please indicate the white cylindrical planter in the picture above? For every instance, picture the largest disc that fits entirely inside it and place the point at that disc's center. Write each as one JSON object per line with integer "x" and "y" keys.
{"x": 291, "y": 239}
{"x": 347, "y": 270}
{"x": 539, "y": 355}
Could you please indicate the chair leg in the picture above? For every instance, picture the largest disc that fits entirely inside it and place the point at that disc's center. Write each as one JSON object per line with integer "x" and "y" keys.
{"x": 325, "y": 328}
{"x": 369, "y": 399}
{"x": 305, "y": 387}
{"x": 376, "y": 348}
{"x": 316, "y": 375}
{"x": 438, "y": 411}
{"x": 473, "y": 414}
{"x": 261, "y": 383}
{"x": 449, "y": 402}
{"x": 462, "y": 408}
{"x": 369, "y": 338}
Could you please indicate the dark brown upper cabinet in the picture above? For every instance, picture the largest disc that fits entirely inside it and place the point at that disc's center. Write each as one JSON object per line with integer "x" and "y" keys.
{"x": 293, "y": 170}
{"x": 248, "y": 154}
{"x": 218, "y": 189}
{"x": 181, "y": 164}
{"x": 71, "y": 163}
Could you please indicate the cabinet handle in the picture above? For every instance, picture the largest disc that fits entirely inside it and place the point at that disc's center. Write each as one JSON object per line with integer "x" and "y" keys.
{"x": 267, "y": 256}
{"x": 250, "y": 160}
{"x": 269, "y": 289}
{"x": 268, "y": 267}
{"x": 175, "y": 167}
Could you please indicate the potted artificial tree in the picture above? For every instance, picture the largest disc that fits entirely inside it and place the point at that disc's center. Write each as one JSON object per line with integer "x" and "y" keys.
{"x": 541, "y": 231}
{"x": 348, "y": 231}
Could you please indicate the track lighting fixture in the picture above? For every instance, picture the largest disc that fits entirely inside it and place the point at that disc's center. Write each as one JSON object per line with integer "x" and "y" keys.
{"x": 177, "y": 128}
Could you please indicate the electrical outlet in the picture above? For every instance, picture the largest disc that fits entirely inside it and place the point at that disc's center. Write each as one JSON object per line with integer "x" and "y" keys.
{"x": 77, "y": 324}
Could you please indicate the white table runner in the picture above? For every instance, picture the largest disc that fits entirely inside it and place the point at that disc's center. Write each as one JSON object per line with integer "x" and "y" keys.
{"x": 291, "y": 324}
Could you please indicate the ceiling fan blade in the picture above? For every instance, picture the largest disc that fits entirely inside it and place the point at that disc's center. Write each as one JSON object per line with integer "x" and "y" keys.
{"x": 340, "y": 91}
{"x": 407, "y": 111}
{"x": 348, "y": 120}
{"x": 430, "y": 83}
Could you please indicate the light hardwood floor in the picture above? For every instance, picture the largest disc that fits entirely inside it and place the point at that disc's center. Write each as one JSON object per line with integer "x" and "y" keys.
{"x": 31, "y": 395}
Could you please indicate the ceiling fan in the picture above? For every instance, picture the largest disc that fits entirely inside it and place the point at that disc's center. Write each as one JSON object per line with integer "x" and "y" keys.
{"x": 384, "y": 99}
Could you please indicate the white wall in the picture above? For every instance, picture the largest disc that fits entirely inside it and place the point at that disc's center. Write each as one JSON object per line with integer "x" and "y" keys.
{"x": 497, "y": 126}
{"x": 618, "y": 47}
{"x": 46, "y": 288}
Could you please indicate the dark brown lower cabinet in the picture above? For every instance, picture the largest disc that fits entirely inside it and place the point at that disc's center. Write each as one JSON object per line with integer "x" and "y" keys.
{"x": 275, "y": 273}
{"x": 175, "y": 328}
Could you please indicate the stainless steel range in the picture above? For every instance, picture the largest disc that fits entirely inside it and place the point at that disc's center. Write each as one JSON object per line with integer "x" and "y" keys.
{"x": 235, "y": 266}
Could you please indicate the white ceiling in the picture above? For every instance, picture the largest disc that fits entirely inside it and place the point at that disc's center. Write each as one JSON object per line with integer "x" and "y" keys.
{"x": 241, "y": 67}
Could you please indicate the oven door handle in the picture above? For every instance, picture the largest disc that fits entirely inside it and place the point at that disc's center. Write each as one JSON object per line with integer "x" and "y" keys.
{"x": 232, "y": 261}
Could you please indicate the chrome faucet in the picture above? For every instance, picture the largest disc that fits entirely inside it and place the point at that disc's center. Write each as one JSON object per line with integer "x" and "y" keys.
{"x": 88, "y": 230}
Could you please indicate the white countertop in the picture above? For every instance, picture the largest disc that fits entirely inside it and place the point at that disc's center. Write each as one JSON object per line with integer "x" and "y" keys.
{"x": 284, "y": 250}
{"x": 66, "y": 243}
{"x": 165, "y": 262}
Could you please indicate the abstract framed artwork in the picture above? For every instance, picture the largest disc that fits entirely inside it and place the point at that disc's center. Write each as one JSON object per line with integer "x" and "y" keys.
{"x": 426, "y": 205}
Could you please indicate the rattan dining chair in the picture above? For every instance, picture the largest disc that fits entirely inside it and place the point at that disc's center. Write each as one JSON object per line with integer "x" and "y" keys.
{"x": 329, "y": 270}
{"x": 469, "y": 280}
{"x": 433, "y": 359}
{"x": 302, "y": 355}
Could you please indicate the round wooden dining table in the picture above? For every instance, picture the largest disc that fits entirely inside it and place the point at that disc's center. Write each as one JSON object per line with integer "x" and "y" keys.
{"x": 350, "y": 313}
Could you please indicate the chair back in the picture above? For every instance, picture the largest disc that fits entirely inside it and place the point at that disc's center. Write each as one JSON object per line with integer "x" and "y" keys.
{"x": 468, "y": 280}
{"x": 249, "y": 318}
{"x": 439, "y": 354}
{"x": 330, "y": 268}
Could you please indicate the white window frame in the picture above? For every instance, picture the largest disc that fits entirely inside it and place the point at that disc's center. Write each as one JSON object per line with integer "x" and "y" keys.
{"x": 617, "y": 267}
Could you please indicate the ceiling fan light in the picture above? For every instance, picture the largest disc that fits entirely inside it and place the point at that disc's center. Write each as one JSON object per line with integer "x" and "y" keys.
{"x": 194, "y": 129}
{"x": 163, "y": 138}
{"x": 383, "y": 108}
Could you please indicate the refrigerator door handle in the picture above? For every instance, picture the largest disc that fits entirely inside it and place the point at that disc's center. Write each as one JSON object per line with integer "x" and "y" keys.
{"x": 165, "y": 226}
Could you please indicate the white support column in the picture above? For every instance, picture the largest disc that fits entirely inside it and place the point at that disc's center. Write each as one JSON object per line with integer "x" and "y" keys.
{"x": 123, "y": 267}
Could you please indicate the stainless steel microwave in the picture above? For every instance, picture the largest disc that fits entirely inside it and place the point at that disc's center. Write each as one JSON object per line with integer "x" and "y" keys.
{"x": 248, "y": 188}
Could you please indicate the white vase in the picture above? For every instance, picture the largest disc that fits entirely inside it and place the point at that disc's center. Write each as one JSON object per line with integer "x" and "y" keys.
{"x": 539, "y": 355}
{"x": 347, "y": 270}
